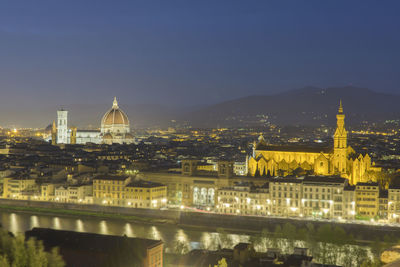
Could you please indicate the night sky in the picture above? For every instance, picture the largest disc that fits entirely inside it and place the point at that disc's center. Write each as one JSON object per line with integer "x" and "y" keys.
{"x": 65, "y": 53}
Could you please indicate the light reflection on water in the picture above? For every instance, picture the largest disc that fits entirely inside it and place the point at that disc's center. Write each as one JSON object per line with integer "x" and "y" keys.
{"x": 172, "y": 235}
{"x": 79, "y": 226}
{"x": 104, "y": 228}
{"x": 56, "y": 223}
{"x": 34, "y": 221}
{"x": 128, "y": 230}
{"x": 154, "y": 233}
{"x": 21, "y": 222}
{"x": 14, "y": 223}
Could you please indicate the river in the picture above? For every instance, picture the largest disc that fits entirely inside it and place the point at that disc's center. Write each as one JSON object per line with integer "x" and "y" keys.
{"x": 176, "y": 238}
{"x": 190, "y": 238}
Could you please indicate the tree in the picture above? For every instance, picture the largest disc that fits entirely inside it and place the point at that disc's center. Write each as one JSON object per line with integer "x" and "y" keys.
{"x": 180, "y": 247}
{"x": 225, "y": 241}
{"x": 17, "y": 252}
{"x": 222, "y": 263}
{"x": 290, "y": 233}
{"x": 299, "y": 172}
{"x": 359, "y": 255}
{"x": 325, "y": 236}
{"x": 54, "y": 258}
{"x": 4, "y": 261}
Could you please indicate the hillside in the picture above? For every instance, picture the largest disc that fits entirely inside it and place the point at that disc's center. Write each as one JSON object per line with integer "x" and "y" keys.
{"x": 306, "y": 106}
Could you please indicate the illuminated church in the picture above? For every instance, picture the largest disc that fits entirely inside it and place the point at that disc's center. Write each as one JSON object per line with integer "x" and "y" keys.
{"x": 340, "y": 160}
{"x": 115, "y": 128}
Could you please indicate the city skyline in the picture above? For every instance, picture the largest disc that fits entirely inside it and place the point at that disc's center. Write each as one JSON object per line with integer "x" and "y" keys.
{"x": 214, "y": 133}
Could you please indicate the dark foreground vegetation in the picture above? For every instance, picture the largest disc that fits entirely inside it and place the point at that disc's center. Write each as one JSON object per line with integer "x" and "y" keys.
{"x": 15, "y": 251}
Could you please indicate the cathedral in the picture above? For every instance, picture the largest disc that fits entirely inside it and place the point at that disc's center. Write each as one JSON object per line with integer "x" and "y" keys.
{"x": 340, "y": 160}
{"x": 115, "y": 128}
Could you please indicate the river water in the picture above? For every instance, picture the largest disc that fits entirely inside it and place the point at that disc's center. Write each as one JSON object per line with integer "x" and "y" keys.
{"x": 176, "y": 238}
{"x": 189, "y": 238}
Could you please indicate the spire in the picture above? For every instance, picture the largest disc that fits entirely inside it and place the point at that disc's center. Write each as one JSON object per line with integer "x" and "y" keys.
{"x": 340, "y": 107}
{"x": 115, "y": 103}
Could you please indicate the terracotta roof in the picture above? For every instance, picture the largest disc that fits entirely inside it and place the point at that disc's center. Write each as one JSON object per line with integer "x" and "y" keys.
{"x": 111, "y": 177}
{"x": 115, "y": 116}
{"x": 324, "y": 179}
{"x": 307, "y": 149}
{"x": 146, "y": 184}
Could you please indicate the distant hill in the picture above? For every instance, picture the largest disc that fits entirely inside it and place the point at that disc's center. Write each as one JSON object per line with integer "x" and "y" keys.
{"x": 306, "y": 106}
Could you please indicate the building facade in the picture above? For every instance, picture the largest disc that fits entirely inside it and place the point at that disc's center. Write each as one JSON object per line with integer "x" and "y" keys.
{"x": 243, "y": 199}
{"x": 323, "y": 197}
{"x": 367, "y": 200}
{"x": 18, "y": 187}
{"x": 144, "y": 194}
{"x": 110, "y": 189}
{"x": 349, "y": 203}
{"x": 394, "y": 204}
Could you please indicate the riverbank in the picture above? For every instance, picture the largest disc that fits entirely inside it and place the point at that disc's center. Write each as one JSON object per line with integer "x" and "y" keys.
{"x": 186, "y": 219}
{"x": 144, "y": 216}
{"x": 80, "y": 214}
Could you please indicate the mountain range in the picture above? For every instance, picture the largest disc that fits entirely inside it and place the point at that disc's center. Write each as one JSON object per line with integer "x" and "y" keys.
{"x": 306, "y": 106}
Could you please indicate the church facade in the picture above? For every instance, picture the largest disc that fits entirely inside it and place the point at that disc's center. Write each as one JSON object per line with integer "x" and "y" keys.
{"x": 115, "y": 128}
{"x": 341, "y": 159}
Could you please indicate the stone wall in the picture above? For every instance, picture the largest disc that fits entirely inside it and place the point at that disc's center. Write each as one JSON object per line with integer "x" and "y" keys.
{"x": 149, "y": 213}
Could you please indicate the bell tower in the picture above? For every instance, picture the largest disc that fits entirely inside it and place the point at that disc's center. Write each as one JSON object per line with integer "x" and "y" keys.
{"x": 340, "y": 144}
{"x": 62, "y": 126}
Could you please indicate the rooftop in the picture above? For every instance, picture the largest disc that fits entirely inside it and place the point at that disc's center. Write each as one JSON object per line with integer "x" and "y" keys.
{"x": 324, "y": 179}
{"x": 286, "y": 148}
{"x": 367, "y": 184}
{"x": 287, "y": 180}
{"x": 88, "y": 249}
{"x": 111, "y": 177}
{"x": 146, "y": 184}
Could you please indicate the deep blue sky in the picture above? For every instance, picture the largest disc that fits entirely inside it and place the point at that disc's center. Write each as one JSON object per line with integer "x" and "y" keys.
{"x": 56, "y": 53}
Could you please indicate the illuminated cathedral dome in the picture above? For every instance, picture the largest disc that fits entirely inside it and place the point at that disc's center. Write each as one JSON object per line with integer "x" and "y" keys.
{"x": 115, "y": 126}
{"x": 115, "y": 116}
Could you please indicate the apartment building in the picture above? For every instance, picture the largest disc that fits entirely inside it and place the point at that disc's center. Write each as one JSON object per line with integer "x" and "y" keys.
{"x": 244, "y": 199}
{"x": 367, "y": 200}
{"x": 394, "y": 204}
{"x": 145, "y": 194}
{"x": 322, "y": 196}
{"x": 286, "y": 196}
{"x": 110, "y": 189}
